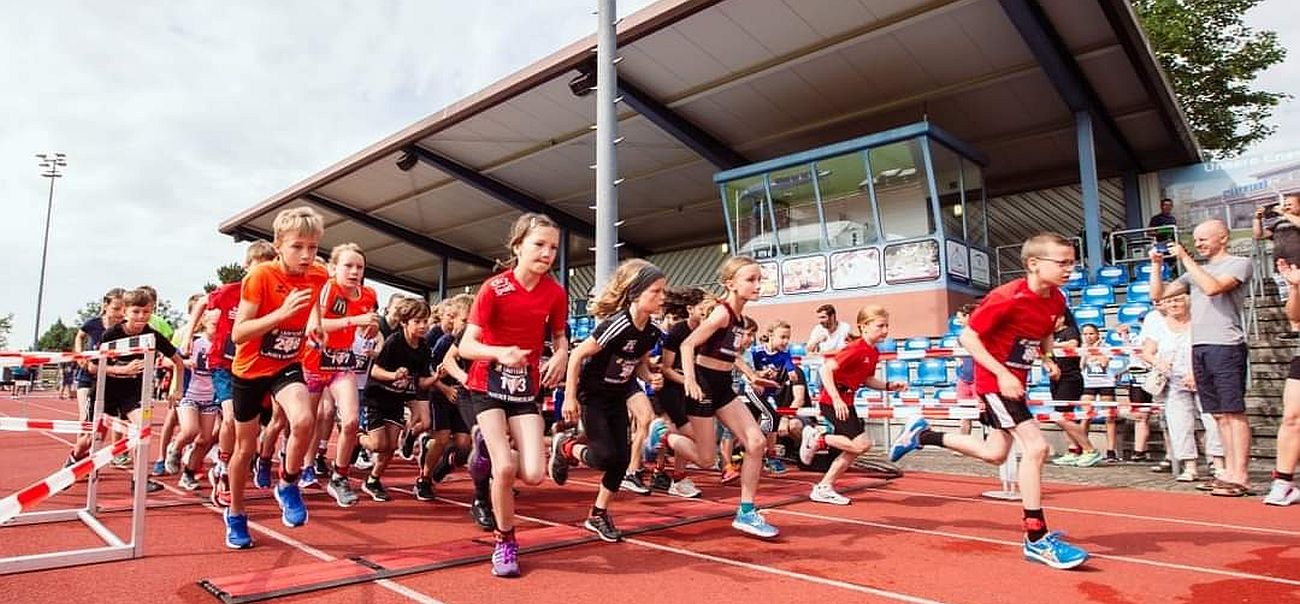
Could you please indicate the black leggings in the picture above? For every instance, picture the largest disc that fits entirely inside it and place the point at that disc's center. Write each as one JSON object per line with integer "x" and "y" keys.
{"x": 604, "y": 419}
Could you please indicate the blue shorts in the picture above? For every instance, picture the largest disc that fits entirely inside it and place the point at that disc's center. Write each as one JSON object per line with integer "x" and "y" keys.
{"x": 1220, "y": 372}
{"x": 221, "y": 385}
{"x": 208, "y": 407}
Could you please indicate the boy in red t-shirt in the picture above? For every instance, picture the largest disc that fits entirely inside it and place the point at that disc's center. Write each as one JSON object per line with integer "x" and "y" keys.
{"x": 1006, "y": 334}
{"x": 270, "y": 330}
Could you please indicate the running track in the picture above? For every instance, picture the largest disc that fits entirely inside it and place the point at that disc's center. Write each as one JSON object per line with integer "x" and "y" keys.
{"x": 922, "y": 538}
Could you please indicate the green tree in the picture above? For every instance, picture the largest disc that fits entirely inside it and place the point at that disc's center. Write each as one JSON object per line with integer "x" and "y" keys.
{"x": 1212, "y": 58}
{"x": 6, "y": 327}
{"x": 231, "y": 273}
{"x": 58, "y": 337}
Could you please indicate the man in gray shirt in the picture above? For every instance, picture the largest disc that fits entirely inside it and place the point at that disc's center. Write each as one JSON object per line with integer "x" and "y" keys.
{"x": 1218, "y": 341}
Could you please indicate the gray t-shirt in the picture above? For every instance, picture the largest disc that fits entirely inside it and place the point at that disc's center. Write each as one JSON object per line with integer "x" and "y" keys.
{"x": 1217, "y": 319}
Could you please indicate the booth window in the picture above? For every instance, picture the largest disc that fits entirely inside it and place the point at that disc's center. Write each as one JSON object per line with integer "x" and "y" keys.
{"x": 846, "y": 201}
{"x": 749, "y": 217}
{"x": 972, "y": 179}
{"x": 794, "y": 206}
{"x": 947, "y": 183}
{"x": 902, "y": 190}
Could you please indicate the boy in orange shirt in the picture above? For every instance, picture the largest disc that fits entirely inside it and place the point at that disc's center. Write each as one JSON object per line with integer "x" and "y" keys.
{"x": 270, "y": 334}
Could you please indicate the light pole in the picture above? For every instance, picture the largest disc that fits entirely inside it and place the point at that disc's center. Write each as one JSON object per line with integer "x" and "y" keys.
{"x": 51, "y": 165}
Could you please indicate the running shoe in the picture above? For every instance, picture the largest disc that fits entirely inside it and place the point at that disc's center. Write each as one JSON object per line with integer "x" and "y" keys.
{"x": 603, "y": 526}
{"x": 293, "y": 511}
{"x": 481, "y": 512}
{"x": 159, "y": 467}
{"x": 505, "y": 559}
{"x": 421, "y": 450}
{"x": 1054, "y": 551}
{"x": 262, "y": 473}
{"x": 1088, "y": 459}
{"x": 809, "y": 444}
{"x": 559, "y": 465}
{"x": 1188, "y": 474}
{"x": 308, "y": 477}
{"x": 423, "y": 490}
{"x": 729, "y": 474}
{"x": 1164, "y": 466}
{"x": 684, "y": 488}
{"x": 657, "y": 441}
{"x": 237, "y": 536}
{"x": 660, "y": 481}
{"x": 364, "y": 460}
{"x": 1139, "y": 457}
{"x": 909, "y": 440}
{"x": 824, "y": 493}
{"x": 340, "y": 488}
{"x": 375, "y": 489}
{"x": 187, "y": 481}
{"x": 632, "y": 483}
{"x": 775, "y": 466}
{"x": 1282, "y": 493}
{"x": 480, "y": 463}
{"x": 408, "y": 446}
{"x": 322, "y": 465}
{"x": 150, "y": 486}
{"x": 172, "y": 462}
{"x": 754, "y": 524}
{"x": 1069, "y": 459}
{"x": 220, "y": 495}
{"x": 1111, "y": 458}
{"x": 444, "y": 466}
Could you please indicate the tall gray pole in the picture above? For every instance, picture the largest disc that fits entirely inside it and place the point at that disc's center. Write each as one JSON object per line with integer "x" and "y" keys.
{"x": 606, "y": 135}
{"x": 52, "y": 164}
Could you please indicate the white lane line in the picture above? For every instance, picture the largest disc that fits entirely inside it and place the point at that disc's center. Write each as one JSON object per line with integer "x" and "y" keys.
{"x": 1132, "y": 560}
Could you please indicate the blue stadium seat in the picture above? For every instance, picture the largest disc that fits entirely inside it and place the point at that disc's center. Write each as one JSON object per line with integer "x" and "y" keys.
{"x": 917, "y": 343}
{"x": 1139, "y": 291}
{"x": 954, "y": 327}
{"x": 1078, "y": 280}
{"x": 798, "y": 350}
{"x": 1117, "y": 366}
{"x": 1112, "y": 275}
{"x": 887, "y": 345}
{"x": 1133, "y": 312}
{"x": 897, "y": 371}
{"x": 949, "y": 342}
{"x": 1098, "y": 295}
{"x": 1113, "y": 339}
{"x": 1144, "y": 272}
{"x": 932, "y": 372}
{"x": 1089, "y": 315}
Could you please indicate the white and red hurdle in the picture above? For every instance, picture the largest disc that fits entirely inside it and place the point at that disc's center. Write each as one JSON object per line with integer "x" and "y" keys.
{"x": 15, "y": 509}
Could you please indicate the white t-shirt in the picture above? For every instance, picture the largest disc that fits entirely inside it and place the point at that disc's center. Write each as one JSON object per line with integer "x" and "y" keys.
{"x": 830, "y": 341}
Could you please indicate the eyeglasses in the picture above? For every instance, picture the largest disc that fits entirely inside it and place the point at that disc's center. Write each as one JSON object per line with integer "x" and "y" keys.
{"x": 1066, "y": 264}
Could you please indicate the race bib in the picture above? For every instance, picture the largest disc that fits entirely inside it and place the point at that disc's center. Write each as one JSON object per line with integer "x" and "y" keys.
{"x": 1023, "y": 354}
{"x": 620, "y": 370}
{"x": 283, "y": 344}
{"x": 511, "y": 384}
{"x": 337, "y": 359}
{"x": 228, "y": 348}
{"x": 201, "y": 364}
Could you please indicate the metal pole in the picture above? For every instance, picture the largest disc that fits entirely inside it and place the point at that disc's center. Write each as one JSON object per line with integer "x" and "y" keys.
{"x": 606, "y": 133}
{"x": 1091, "y": 194}
{"x": 45, "y": 248}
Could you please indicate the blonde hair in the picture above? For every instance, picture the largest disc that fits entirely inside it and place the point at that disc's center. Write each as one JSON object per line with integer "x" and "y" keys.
{"x": 410, "y": 309}
{"x": 777, "y": 324}
{"x": 525, "y": 224}
{"x": 1038, "y": 245}
{"x": 458, "y": 303}
{"x": 342, "y": 248}
{"x": 630, "y": 279}
{"x": 731, "y": 266}
{"x": 298, "y": 221}
{"x": 259, "y": 251}
{"x": 872, "y": 312}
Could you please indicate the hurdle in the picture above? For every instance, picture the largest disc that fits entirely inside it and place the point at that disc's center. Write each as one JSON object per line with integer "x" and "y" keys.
{"x": 14, "y": 508}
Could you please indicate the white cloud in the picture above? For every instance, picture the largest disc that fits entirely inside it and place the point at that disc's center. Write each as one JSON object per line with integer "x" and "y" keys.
{"x": 177, "y": 115}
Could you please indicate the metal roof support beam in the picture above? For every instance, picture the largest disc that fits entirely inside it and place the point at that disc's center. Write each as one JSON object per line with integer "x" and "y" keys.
{"x": 247, "y": 233}
{"x": 673, "y": 124}
{"x": 1132, "y": 200}
{"x": 511, "y": 196}
{"x": 1091, "y": 193}
{"x": 392, "y": 229}
{"x": 1065, "y": 74}
{"x": 444, "y": 274}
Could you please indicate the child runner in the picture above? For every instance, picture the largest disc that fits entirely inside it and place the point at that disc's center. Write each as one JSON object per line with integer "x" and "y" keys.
{"x": 691, "y": 306}
{"x": 112, "y": 311}
{"x": 709, "y": 391}
{"x": 842, "y": 374}
{"x": 1283, "y": 490}
{"x": 400, "y": 371}
{"x": 197, "y": 412}
{"x": 345, "y": 306}
{"x": 1006, "y": 335}
{"x": 451, "y": 416}
{"x": 601, "y": 380}
{"x": 1067, "y": 385}
{"x": 512, "y": 315}
{"x": 269, "y": 333}
{"x": 480, "y": 470}
{"x": 1099, "y": 385}
{"x": 773, "y": 362}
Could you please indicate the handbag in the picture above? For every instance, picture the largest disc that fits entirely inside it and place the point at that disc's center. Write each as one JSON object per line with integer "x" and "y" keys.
{"x": 1155, "y": 383}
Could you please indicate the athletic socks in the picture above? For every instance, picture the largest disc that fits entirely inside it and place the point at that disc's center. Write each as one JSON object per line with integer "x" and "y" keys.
{"x": 598, "y": 511}
{"x": 506, "y": 536}
{"x": 930, "y": 438}
{"x": 746, "y": 507}
{"x": 289, "y": 478}
{"x": 1287, "y": 476}
{"x": 1035, "y": 524}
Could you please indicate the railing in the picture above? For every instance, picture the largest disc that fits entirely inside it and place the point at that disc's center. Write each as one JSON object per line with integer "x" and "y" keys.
{"x": 1132, "y": 246}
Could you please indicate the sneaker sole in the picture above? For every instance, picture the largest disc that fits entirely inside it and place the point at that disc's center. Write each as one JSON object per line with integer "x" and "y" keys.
{"x": 749, "y": 530}
{"x": 1057, "y": 565}
{"x": 339, "y": 500}
{"x": 238, "y": 546}
{"x": 830, "y": 501}
{"x": 506, "y": 575}
{"x": 587, "y": 525}
{"x": 283, "y": 519}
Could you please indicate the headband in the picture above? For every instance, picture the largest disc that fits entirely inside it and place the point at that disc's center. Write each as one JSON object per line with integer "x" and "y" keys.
{"x": 644, "y": 279}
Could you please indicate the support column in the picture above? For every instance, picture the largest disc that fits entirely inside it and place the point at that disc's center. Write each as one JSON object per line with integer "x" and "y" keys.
{"x": 606, "y": 133}
{"x": 1091, "y": 193}
{"x": 563, "y": 260}
{"x": 1132, "y": 200}
{"x": 444, "y": 272}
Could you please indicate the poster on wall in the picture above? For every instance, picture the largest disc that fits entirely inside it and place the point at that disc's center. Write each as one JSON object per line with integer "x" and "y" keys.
{"x": 913, "y": 261}
{"x": 768, "y": 287}
{"x": 855, "y": 268}
{"x": 803, "y": 275}
{"x": 1229, "y": 190}
{"x": 958, "y": 259}
{"x": 979, "y": 267}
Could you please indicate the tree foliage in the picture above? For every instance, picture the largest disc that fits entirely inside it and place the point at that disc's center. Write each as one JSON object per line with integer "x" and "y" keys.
{"x": 58, "y": 337}
{"x": 1212, "y": 58}
{"x": 231, "y": 273}
{"x": 6, "y": 327}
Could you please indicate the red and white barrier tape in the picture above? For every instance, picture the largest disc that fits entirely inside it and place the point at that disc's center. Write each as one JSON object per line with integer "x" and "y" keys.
{"x": 944, "y": 353}
{"x": 28, "y": 359}
{"x": 39, "y": 491}
{"x": 957, "y": 412}
{"x": 63, "y": 426}
{"x": 912, "y": 398}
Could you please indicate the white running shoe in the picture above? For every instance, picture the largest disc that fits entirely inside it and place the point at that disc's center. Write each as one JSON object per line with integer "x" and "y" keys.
{"x": 808, "y": 446}
{"x": 684, "y": 488}
{"x": 824, "y": 493}
{"x": 1282, "y": 493}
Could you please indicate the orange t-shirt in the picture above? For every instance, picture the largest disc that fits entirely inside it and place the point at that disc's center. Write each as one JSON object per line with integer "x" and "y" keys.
{"x": 335, "y": 353}
{"x": 267, "y": 285}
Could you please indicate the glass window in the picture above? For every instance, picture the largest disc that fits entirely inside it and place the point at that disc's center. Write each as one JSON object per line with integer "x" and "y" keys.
{"x": 794, "y": 205}
{"x": 902, "y": 192}
{"x": 846, "y": 201}
{"x": 947, "y": 182}
{"x": 972, "y": 178}
{"x": 750, "y": 218}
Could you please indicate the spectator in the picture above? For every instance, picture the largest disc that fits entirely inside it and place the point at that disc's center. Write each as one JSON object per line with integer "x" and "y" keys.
{"x": 1219, "y": 349}
{"x": 830, "y": 334}
{"x": 1166, "y": 215}
{"x": 1283, "y": 227}
{"x": 389, "y": 320}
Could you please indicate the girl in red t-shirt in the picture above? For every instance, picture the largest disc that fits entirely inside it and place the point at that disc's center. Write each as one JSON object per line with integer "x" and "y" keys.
{"x": 505, "y": 343}
{"x": 852, "y": 367}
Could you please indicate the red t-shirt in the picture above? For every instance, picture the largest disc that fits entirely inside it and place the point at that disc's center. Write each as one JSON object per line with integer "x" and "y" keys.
{"x": 335, "y": 304}
{"x": 1012, "y": 322}
{"x": 510, "y": 315}
{"x": 267, "y": 285}
{"x": 855, "y": 363}
{"x": 225, "y": 300}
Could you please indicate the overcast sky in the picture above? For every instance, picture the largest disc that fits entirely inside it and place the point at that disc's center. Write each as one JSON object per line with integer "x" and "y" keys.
{"x": 176, "y": 115}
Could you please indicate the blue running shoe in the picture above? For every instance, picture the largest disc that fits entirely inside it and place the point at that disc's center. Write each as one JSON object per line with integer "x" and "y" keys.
{"x": 776, "y": 467}
{"x": 755, "y": 524}
{"x": 294, "y": 510}
{"x": 261, "y": 473}
{"x": 237, "y": 536}
{"x": 308, "y": 477}
{"x": 1053, "y": 551}
{"x": 908, "y": 441}
{"x": 159, "y": 468}
{"x": 656, "y": 440}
